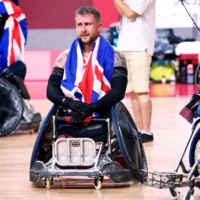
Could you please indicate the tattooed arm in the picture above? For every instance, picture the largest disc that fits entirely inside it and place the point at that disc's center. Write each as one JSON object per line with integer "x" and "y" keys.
{"x": 54, "y": 92}
{"x": 60, "y": 61}
{"x": 120, "y": 60}
{"x": 118, "y": 83}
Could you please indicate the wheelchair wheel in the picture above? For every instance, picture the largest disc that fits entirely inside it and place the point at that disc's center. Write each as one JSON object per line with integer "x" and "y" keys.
{"x": 195, "y": 151}
{"x": 197, "y": 78}
{"x": 42, "y": 147}
{"x": 129, "y": 141}
{"x": 11, "y": 107}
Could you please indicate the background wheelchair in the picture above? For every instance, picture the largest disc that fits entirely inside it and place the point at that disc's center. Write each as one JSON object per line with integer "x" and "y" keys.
{"x": 120, "y": 156}
{"x": 15, "y": 113}
{"x": 189, "y": 177}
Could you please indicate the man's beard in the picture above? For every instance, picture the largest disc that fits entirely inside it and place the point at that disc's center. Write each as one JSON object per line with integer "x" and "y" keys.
{"x": 91, "y": 39}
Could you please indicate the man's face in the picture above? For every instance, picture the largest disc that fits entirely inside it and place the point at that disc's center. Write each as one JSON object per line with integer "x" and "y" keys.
{"x": 87, "y": 28}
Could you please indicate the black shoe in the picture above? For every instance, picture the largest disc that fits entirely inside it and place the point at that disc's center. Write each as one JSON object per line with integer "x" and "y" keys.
{"x": 146, "y": 137}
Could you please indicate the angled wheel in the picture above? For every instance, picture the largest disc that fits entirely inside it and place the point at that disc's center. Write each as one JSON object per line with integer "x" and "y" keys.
{"x": 197, "y": 78}
{"x": 195, "y": 151}
{"x": 42, "y": 144}
{"x": 11, "y": 107}
{"x": 129, "y": 141}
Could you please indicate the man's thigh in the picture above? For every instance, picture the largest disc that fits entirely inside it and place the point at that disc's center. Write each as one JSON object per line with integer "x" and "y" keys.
{"x": 138, "y": 64}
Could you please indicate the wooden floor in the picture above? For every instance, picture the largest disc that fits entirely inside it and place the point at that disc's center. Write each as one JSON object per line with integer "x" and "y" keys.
{"x": 170, "y": 131}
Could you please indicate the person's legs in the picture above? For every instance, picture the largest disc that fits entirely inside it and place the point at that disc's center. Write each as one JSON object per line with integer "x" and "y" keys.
{"x": 142, "y": 110}
{"x": 136, "y": 110}
{"x": 146, "y": 110}
{"x": 138, "y": 64}
{"x": 66, "y": 130}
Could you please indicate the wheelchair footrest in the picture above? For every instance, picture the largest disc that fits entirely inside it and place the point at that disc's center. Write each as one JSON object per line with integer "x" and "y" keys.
{"x": 75, "y": 151}
{"x": 162, "y": 180}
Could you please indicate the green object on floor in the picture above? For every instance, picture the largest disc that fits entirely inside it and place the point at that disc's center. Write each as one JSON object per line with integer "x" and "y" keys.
{"x": 159, "y": 71}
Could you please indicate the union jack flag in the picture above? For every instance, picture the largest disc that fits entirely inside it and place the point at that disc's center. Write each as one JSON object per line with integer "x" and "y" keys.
{"x": 88, "y": 80}
{"x": 14, "y": 36}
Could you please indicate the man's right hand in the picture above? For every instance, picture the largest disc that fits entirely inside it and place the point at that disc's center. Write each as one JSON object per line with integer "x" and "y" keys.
{"x": 76, "y": 105}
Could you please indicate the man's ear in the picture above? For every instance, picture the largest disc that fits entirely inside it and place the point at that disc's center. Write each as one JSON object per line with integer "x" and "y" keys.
{"x": 99, "y": 26}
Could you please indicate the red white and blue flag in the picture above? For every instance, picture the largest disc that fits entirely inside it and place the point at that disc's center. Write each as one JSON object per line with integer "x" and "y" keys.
{"x": 14, "y": 36}
{"x": 88, "y": 79}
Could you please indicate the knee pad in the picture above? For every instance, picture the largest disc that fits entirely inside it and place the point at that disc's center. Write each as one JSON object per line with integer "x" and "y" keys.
{"x": 66, "y": 131}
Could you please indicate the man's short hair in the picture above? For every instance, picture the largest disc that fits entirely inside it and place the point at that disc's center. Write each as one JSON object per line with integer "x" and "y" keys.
{"x": 89, "y": 10}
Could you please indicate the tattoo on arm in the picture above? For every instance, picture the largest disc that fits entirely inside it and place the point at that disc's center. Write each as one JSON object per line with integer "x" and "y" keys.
{"x": 60, "y": 59}
{"x": 120, "y": 60}
{"x": 60, "y": 62}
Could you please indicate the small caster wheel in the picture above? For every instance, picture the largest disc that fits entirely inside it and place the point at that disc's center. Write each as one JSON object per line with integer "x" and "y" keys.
{"x": 48, "y": 182}
{"x": 98, "y": 183}
{"x": 175, "y": 194}
{"x": 34, "y": 131}
{"x": 188, "y": 198}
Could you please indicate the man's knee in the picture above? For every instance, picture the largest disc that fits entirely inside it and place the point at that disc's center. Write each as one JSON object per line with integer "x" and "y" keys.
{"x": 143, "y": 96}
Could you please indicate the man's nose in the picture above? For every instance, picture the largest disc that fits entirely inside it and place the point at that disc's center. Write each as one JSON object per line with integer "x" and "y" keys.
{"x": 84, "y": 28}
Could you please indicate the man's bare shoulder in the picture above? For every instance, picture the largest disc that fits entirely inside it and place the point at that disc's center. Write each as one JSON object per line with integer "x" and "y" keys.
{"x": 61, "y": 59}
{"x": 120, "y": 60}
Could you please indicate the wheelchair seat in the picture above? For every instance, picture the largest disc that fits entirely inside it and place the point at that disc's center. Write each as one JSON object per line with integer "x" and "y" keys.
{"x": 15, "y": 114}
{"x": 121, "y": 156}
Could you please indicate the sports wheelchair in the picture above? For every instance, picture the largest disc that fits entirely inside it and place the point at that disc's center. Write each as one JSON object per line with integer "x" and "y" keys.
{"x": 188, "y": 177}
{"x": 15, "y": 113}
{"x": 120, "y": 155}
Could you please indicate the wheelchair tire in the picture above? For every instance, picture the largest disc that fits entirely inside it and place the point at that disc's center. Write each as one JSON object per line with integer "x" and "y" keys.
{"x": 40, "y": 134}
{"x": 195, "y": 151}
{"x": 129, "y": 141}
{"x": 11, "y": 107}
{"x": 197, "y": 78}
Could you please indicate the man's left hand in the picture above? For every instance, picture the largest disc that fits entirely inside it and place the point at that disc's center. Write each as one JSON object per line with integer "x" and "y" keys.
{"x": 78, "y": 117}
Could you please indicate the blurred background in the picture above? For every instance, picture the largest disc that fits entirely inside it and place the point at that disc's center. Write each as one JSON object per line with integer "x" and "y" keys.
{"x": 52, "y": 29}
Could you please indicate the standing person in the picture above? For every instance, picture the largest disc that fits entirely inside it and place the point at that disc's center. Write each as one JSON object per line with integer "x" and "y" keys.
{"x": 89, "y": 77}
{"x": 136, "y": 40}
{"x": 13, "y": 37}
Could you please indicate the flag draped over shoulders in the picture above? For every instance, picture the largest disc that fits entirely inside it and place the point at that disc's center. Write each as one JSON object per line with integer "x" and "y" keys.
{"x": 88, "y": 79}
{"x": 14, "y": 35}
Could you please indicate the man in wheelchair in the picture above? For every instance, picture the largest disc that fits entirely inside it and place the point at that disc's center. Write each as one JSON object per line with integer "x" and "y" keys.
{"x": 87, "y": 83}
{"x": 88, "y": 78}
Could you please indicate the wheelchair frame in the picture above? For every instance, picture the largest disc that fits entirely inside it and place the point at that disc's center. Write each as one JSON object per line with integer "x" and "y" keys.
{"x": 104, "y": 163}
{"x": 173, "y": 180}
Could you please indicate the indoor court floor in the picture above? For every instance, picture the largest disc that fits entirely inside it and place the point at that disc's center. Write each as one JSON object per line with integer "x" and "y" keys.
{"x": 170, "y": 130}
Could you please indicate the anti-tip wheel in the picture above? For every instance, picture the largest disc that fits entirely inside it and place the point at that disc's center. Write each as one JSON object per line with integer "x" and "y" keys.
{"x": 48, "y": 183}
{"x": 98, "y": 183}
{"x": 33, "y": 131}
{"x": 175, "y": 194}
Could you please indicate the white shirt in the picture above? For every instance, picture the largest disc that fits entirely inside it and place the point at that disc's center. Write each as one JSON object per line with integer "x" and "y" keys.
{"x": 138, "y": 33}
